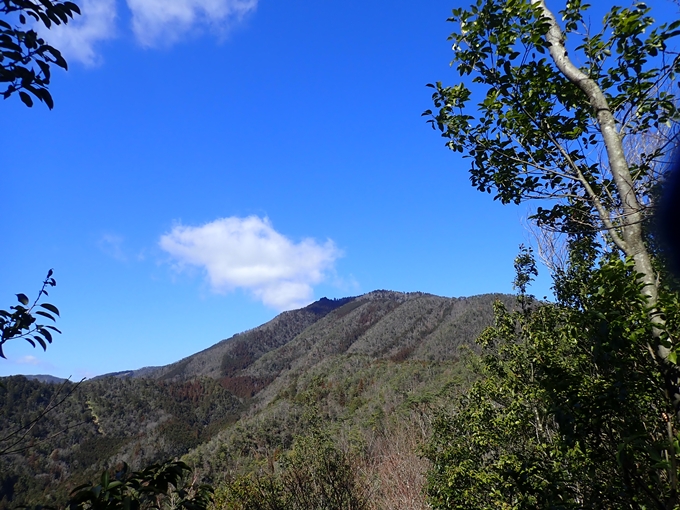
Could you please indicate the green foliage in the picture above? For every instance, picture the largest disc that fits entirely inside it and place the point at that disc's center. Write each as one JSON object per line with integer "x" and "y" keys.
{"x": 40, "y": 424}
{"x": 525, "y": 269}
{"x": 534, "y": 133}
{"x": 577, "y": 402}
{"x": 25, "y": 58}
{"x": 313, "y": 475}
{"x": 151, "y": 488}
{"x": 569, "y": 411}
{"x": 32, "y": 427}
{"x": 21, "y": 321}
{"x": 69, "y": 435}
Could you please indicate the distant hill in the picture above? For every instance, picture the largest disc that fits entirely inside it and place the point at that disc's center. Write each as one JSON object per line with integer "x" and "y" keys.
{"x": 362, "y": 360}
{"x": 380, "y": 324}
{"x": 50, "y": 379}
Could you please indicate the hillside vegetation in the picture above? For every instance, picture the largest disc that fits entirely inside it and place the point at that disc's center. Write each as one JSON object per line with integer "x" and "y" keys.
{"x": 355, "y": 371}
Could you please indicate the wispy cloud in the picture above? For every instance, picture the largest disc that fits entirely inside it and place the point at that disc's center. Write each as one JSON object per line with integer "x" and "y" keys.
{"x": 154, "y": 23}
{"x": 112, "y": 245}
{"x": 163, "y": 22}
{"x": 28, "y": 360}
{"x": 77, "y": 40}
{"x": 248, "y": 253}
{"x": 346, "y": 284}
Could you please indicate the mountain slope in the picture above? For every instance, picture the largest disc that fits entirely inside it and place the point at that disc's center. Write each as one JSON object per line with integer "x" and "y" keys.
{"x": 380, "y": 325}
{"x": 238, "y": 352}
{"x": 369, "y": 371}
{"x": 359, "y": 360}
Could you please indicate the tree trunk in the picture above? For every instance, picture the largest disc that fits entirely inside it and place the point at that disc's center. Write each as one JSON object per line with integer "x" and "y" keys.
{"x": 631, "y": 222}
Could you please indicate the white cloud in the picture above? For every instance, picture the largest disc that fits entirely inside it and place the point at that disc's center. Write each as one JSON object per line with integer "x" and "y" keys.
{"x": 77, "y": 39}
{"x": 162, "y": 22}
{"x": 154, "y": 23}
{"x": 28, "y": 360}
{"x": 248, "y": 253}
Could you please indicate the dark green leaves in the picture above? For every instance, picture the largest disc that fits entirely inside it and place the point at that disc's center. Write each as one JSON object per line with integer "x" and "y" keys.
{"x": 25, "y": 58}
{"x": 50, "y": 307}
{"x": 20, "y": 321}
{"x": 576, "y": 405}
{"x": 25, "y": 98}
{"x": 567, "y": 411}
{"x": 142, "y": 489}
{"x": 525, "y": 271}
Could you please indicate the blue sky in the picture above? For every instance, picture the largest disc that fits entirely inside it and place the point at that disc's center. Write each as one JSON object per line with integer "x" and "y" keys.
{"x": 209, "y": 163}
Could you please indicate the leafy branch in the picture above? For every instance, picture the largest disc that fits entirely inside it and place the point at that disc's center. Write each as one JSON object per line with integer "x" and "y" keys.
{"x": 25, "y": 58}
{"x": 21, "y": 322}
{"x": 146, "y": 489}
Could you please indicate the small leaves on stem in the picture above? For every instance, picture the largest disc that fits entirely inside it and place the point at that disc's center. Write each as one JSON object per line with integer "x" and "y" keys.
{"x": 20, "y": 322}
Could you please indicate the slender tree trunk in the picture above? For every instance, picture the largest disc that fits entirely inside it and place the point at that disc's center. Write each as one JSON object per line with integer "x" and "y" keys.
{"x": 631, "y": 239}
{"x": 633, "y": 244}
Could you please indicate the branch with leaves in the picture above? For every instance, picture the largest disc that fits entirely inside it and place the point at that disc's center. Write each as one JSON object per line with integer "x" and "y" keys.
{"x": 152, "y": 488}
{"x": 544, "y": 128}
{"x": 21, "y": 322}
{"x": 25, "y": 58}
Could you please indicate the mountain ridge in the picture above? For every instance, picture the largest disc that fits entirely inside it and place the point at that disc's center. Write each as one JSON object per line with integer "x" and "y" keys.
{"x": 361, "y": 360}
{"x": 240, "y": 353}
{"x": 294, "y": 322}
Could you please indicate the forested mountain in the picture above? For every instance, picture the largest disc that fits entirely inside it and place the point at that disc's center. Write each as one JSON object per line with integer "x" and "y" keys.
{"x": 358, "y": 363}
{"x": 238, "y": 352}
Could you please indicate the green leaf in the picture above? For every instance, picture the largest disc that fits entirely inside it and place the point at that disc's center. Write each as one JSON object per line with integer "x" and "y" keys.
{"x": 46, "y": 334}
{"x": 51, "y": 308}
{"x": 26, "y": 99}
{"x": 45, "y": 314}
{"x": 23, "y": 299}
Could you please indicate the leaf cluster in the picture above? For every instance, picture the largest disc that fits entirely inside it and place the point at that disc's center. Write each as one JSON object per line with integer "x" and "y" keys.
{"x": 25, "y": 57}
{"x": 145, "y": 489}
{"x": 315, "y": 474}
{"x": 21, "y": 320}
